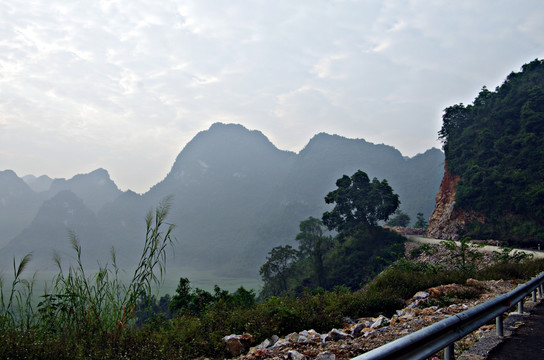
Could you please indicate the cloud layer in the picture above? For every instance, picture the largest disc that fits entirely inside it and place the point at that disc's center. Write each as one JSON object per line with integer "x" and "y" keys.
{"x": 125, "y": 84}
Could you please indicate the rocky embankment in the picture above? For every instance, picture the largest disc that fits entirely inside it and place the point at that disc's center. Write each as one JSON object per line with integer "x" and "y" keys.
{"x": 358, "y": 336}
{"x": 448, "y": 220}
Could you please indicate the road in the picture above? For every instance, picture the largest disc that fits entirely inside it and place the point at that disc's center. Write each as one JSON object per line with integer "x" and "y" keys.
{"x": 488, "y": 248}
{"x": 527, "y": 342}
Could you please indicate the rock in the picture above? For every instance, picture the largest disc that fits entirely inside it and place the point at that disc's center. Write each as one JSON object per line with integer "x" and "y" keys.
{"x": 325, "y": 355}
{"x": 266, "y": 343}
{"x": 238, "y": 344}
{"x": 335, "y": 335}
{"x": 233, "y": 344}
{"x": 357, "y": 330}
{"x": 292, "y": 337}
{"x": 310, "y": 335}
{"x": 295, "y": 355}
{"x": 380, "y": 322}
{"x": 274, "y": 339}
{"x": 420, "y": 295}
{"x": 280, "y": 342}
{"x": 447, "y": 220}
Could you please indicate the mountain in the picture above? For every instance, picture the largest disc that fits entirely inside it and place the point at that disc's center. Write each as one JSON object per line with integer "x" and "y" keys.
{"x": 38, "y": 184}
{"x": 235, "y": 197}
{"x": 95, "y": 188}
{"x": 49, "y": 231}
{"x": 493, "y": 187}
{"x": 325, "y": 159}
{"x": 220, "y": 182}
{"x": 18, "y": 205}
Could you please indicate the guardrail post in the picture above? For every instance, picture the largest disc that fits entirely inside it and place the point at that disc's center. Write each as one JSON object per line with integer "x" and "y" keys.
{"x": 534, "y": 295}
{"x": 520, "y": 306}
{"x": 499, "y": 325}
{"x": 539, "y": 289}
{"x": 449, "y": 353}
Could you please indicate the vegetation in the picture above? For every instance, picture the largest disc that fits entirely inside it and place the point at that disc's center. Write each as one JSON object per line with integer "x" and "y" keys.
{"x": 82, "y": 311}
{"x": 359, "y": 204}
{"x": 400, "y": 219}
{"x": 359, "y": 251}
{"x": 421, "y": 222}
{"x": 495, "y": 146}
{"x": 202, "y": 319}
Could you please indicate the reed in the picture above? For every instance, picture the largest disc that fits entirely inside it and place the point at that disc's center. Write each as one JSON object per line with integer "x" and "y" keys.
{"x": 87, "y": 305}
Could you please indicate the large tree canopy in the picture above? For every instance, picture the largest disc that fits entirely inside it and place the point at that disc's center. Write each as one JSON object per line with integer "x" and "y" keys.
{"x": 359, "y": 203}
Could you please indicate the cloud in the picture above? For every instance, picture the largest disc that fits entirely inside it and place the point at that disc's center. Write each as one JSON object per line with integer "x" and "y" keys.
{"x": 112, "y": 79}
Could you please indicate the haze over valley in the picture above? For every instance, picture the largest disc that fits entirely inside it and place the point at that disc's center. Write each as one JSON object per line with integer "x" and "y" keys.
{"x": 236, "y": 196}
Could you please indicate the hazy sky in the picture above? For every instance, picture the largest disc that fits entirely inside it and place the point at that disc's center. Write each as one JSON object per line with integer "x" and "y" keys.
{"x": 124, "y": 85}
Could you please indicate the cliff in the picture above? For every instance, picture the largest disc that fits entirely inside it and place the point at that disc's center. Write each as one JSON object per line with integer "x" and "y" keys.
{"x": 447, "y": 220}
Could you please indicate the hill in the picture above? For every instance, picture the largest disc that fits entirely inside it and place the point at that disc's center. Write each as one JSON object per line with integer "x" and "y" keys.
{"x": 494, "y": 181}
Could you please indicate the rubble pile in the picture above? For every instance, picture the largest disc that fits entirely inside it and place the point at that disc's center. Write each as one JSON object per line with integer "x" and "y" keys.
{"x": 361, "y": 335}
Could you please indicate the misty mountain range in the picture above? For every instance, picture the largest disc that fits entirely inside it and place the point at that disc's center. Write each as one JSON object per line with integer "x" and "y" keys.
{"x": 236, "y": 196}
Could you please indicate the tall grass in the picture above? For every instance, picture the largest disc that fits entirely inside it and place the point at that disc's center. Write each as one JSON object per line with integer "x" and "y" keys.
{"x": 81, "y": 306}
{"x": 16, "y": 307}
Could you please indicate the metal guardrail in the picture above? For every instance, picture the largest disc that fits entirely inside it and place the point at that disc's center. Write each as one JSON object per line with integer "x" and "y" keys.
{"x": 442, "y": 335}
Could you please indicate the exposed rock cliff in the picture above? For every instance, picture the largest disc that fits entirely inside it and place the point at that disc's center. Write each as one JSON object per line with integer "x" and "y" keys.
{"x": 447, "y": 220}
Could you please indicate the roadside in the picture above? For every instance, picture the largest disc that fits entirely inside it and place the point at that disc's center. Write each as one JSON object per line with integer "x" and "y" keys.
{"x": 526, "y": 341}
{"x": 487, "y": 248}
{"x": 522, "y": 337}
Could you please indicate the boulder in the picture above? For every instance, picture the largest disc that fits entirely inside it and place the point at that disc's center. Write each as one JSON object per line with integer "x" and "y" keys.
{"x": 335, "y": 335}
{"x": 295, "y": 355}
{"x": 238, "y": 344}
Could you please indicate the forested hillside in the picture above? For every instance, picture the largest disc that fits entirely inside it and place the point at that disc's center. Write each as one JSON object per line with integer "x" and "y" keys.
{"x": 496, "y": 147}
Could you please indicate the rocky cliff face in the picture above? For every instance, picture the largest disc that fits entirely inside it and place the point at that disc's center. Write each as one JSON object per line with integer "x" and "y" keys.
{"x": 447, "y": 220}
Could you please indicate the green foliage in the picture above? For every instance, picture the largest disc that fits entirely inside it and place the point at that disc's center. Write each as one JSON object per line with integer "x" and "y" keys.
{"x": 507, "y": 254}
{"x": 463, "y": 253}
{"x": 16, "y": 307}
{"x": 400, "y": 219}
{"x": 359, "y": 203}
{"x": 495, "y": 145}
{"x": 451, "y": 297}
{"x": 277, "y": 269}
{"x": 360, "y": 250}
{"x": 85, "y": 310}
{"x": 313, "y": 244}
{"x": 421, "y": 222}
{"x": 188, "y": 301}
{"x": 363, "y": 255}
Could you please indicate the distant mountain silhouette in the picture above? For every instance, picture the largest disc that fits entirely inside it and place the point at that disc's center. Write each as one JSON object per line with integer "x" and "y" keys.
{"x": 50, "y": 228}
{"x": 38, "y": 184}
{"x": 96, "y": 188}
{"x": 236, "y": 196}
{"x": 18, "y": 205}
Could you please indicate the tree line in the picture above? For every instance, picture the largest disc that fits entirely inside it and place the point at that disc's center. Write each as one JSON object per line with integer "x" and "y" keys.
{"x": 346, "y": 247}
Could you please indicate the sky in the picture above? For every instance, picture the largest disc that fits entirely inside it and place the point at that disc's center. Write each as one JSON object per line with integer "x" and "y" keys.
{"x": 125, "y": 84}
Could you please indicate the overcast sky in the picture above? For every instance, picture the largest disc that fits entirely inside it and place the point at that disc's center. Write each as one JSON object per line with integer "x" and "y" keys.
{"x": 124, "y": 85}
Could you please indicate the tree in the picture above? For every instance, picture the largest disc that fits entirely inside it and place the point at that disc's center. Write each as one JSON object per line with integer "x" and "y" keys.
{"x": 421, "y": 222}
{"x": 359, "y": 203}
{"x": 314, "y": 245}
{"x": 400, "y": 219}
{"x": 276, "y": 270}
